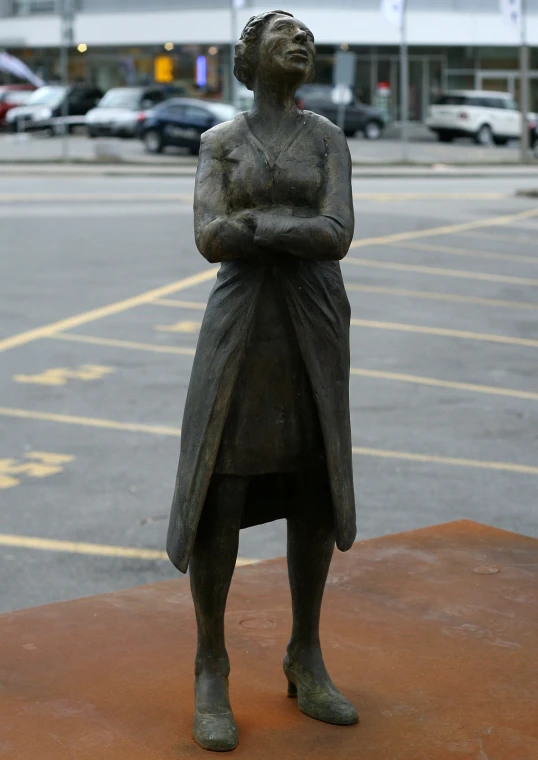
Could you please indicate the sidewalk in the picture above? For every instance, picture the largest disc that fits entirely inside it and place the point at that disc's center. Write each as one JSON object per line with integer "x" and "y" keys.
{"x": 422, "y": 151}
{"x": 26, "y": 154}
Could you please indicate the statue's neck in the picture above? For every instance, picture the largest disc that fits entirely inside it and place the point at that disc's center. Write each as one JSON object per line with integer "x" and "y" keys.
{"x": 274, "y": 105}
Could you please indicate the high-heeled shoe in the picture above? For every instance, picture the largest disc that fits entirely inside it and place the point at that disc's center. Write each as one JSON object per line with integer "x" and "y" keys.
{"x": 319, "y": 699}
{"x": 214, "y": 723}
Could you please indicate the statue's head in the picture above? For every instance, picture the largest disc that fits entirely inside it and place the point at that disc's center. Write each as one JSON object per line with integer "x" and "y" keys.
{"x": 275, "y": 46}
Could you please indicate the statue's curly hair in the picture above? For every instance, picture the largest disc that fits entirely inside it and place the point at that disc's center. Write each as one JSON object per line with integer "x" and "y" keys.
{"x": 246, "y": 50}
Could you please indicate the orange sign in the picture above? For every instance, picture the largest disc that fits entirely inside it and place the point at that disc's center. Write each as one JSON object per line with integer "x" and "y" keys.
{"x": 164, "y": 69}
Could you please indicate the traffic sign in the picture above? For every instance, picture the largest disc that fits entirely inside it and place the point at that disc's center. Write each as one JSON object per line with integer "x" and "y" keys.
{"x": 344, "y": 68}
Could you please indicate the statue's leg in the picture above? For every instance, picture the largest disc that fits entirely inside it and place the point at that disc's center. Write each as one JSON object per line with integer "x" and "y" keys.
{"x": 311, "y": 541}
{"x": 211, "y": 569}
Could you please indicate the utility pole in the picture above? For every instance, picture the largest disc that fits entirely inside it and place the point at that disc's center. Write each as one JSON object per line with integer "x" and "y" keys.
{"x": 67, "y": 16}
{"x": 234, "y": 7}
{"x": 404, "y": 84}
{"x": 524, "y": 84}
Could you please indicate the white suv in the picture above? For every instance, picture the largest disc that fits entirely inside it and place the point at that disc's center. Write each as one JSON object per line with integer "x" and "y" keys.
{"x": 487, "y": 117}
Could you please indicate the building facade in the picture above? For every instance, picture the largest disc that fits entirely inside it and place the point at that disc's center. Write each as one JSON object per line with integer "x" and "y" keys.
{"x": 452, "y": 44}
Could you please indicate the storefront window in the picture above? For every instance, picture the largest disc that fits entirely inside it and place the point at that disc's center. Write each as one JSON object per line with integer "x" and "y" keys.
{"x": 498, "y": 58}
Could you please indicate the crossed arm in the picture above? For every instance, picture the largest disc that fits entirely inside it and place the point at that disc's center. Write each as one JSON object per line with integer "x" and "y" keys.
{"x": 256, "y": 232}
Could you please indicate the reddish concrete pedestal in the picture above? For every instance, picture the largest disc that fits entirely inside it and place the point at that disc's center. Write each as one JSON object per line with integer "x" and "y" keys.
{"x": 433, "y": 635}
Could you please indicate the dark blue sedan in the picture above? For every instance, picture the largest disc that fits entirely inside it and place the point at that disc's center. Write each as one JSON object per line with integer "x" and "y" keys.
{"x": 181, "y": 122}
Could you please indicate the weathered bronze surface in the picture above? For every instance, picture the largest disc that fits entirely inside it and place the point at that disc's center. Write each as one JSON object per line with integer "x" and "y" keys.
{"x": 266, "y": 430}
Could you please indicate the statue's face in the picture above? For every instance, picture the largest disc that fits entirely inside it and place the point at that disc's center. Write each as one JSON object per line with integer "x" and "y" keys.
{"x": 287, "y": 50}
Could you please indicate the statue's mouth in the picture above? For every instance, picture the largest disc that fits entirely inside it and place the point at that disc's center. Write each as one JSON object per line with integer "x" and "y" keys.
{"x": 299, "y": 53}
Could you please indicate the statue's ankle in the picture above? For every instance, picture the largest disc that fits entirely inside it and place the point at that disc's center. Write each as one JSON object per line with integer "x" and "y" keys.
{"x": 304, "y": 655}
{"x": 208, "y": 663}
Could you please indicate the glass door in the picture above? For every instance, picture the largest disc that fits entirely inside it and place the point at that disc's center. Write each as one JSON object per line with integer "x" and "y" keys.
{"x": 510, "y": 81}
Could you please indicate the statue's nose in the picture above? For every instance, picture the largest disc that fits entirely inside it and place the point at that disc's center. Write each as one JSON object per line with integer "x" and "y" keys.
{"x": 300, "y": 36}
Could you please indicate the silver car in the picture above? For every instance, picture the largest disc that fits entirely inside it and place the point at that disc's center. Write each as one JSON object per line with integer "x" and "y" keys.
{"x": 122, "y": 109}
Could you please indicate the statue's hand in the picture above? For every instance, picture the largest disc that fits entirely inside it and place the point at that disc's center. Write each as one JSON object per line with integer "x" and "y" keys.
{"x": 247, "y": 218}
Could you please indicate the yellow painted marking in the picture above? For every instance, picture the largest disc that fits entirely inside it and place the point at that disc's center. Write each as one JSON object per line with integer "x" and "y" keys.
{"x": 41, "y": 465}
{"x": 95, "y": 197}
{"x": 97, "y": 550}
{"x": 106, "y": 311}
{"x": 515, "y": 238}
{"x": 197, "y": 305}
{"x": 180, "y": 327}
{"x": 395, "y": 197}
{"x": 462, "y": 274}
{"x": 152, "y": 295}
{"x": 437, "y": 383}
{"x": 60, "y": 375}
{"x": 466, "y": 252}
{"x": 74, "y": 337}
{"x": 66, "y": 419}
{"x": 426, "y": 294}
{"x": 176, "y": 432}
{"x": 189, "y": 197}
{"x": 430, "y": 295}
{"x": 456, "y": 462}
{"x": 450, "y": 229}
{"x": 464, "y": 334}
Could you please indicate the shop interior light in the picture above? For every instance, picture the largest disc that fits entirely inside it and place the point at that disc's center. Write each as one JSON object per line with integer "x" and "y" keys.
{"x": 201, "y": 71}
{"x": 169, "y": 46}
{"x": 213, "y": 50}
{"x": 82, "y": 47}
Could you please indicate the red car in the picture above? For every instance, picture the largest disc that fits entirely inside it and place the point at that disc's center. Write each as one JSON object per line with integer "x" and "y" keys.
{"x": 12, "y": 95}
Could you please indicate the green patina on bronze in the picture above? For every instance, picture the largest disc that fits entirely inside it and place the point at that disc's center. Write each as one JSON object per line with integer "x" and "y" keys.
{"x": 266, "y": 429}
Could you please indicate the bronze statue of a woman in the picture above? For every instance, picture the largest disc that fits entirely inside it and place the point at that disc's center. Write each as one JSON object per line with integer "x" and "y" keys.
{"x": 266, "y": 429}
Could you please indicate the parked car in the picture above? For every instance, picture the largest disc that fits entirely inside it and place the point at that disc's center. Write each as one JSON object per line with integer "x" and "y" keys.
{"x": 358, "y": 117}
{"x": 486, "y": 117}
{"x": 44, "y": 109}
{"x": 11, "y": 96}
{"x": 181, "y": 122}
{"x": 119, "y": 112}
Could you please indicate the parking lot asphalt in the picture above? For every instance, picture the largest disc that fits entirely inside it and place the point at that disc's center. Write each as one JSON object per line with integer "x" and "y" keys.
{"x": 103, "y": 292}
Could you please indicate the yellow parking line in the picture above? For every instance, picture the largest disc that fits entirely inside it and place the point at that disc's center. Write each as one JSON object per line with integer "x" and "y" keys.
{"x": 452, "y": 297}
{"x": 515, "y": 238}
{"x": 198, "y": 305}
{"x": 450, "y": 229}
{"x": 471, "y": 253}
{"x": 96, "y": 197}
{"x": 189, "y": 197}
{"x": 444, "y": 332}
{"x": 426, "y": 294}
{"x": 463, "y": 274}
{"x": 97, "y": 550}
{"x": 437, "y": 383}
{"x": 367, "y": 323}
{"x": 115, "y": 343}
{"x": 395, "y": 197}
{"x": 67, "y": 419}
{"x": 176, "y": 432}
{"x": 152, "y": 295}
{"x": 106, "y": 311}
{"x": 453, "y": 461}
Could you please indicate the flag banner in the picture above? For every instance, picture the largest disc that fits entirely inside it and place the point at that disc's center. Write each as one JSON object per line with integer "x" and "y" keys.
{"x": 19, "y": 69}
{"x": 393, "y": 10}
{"x": 511, "y": 10}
